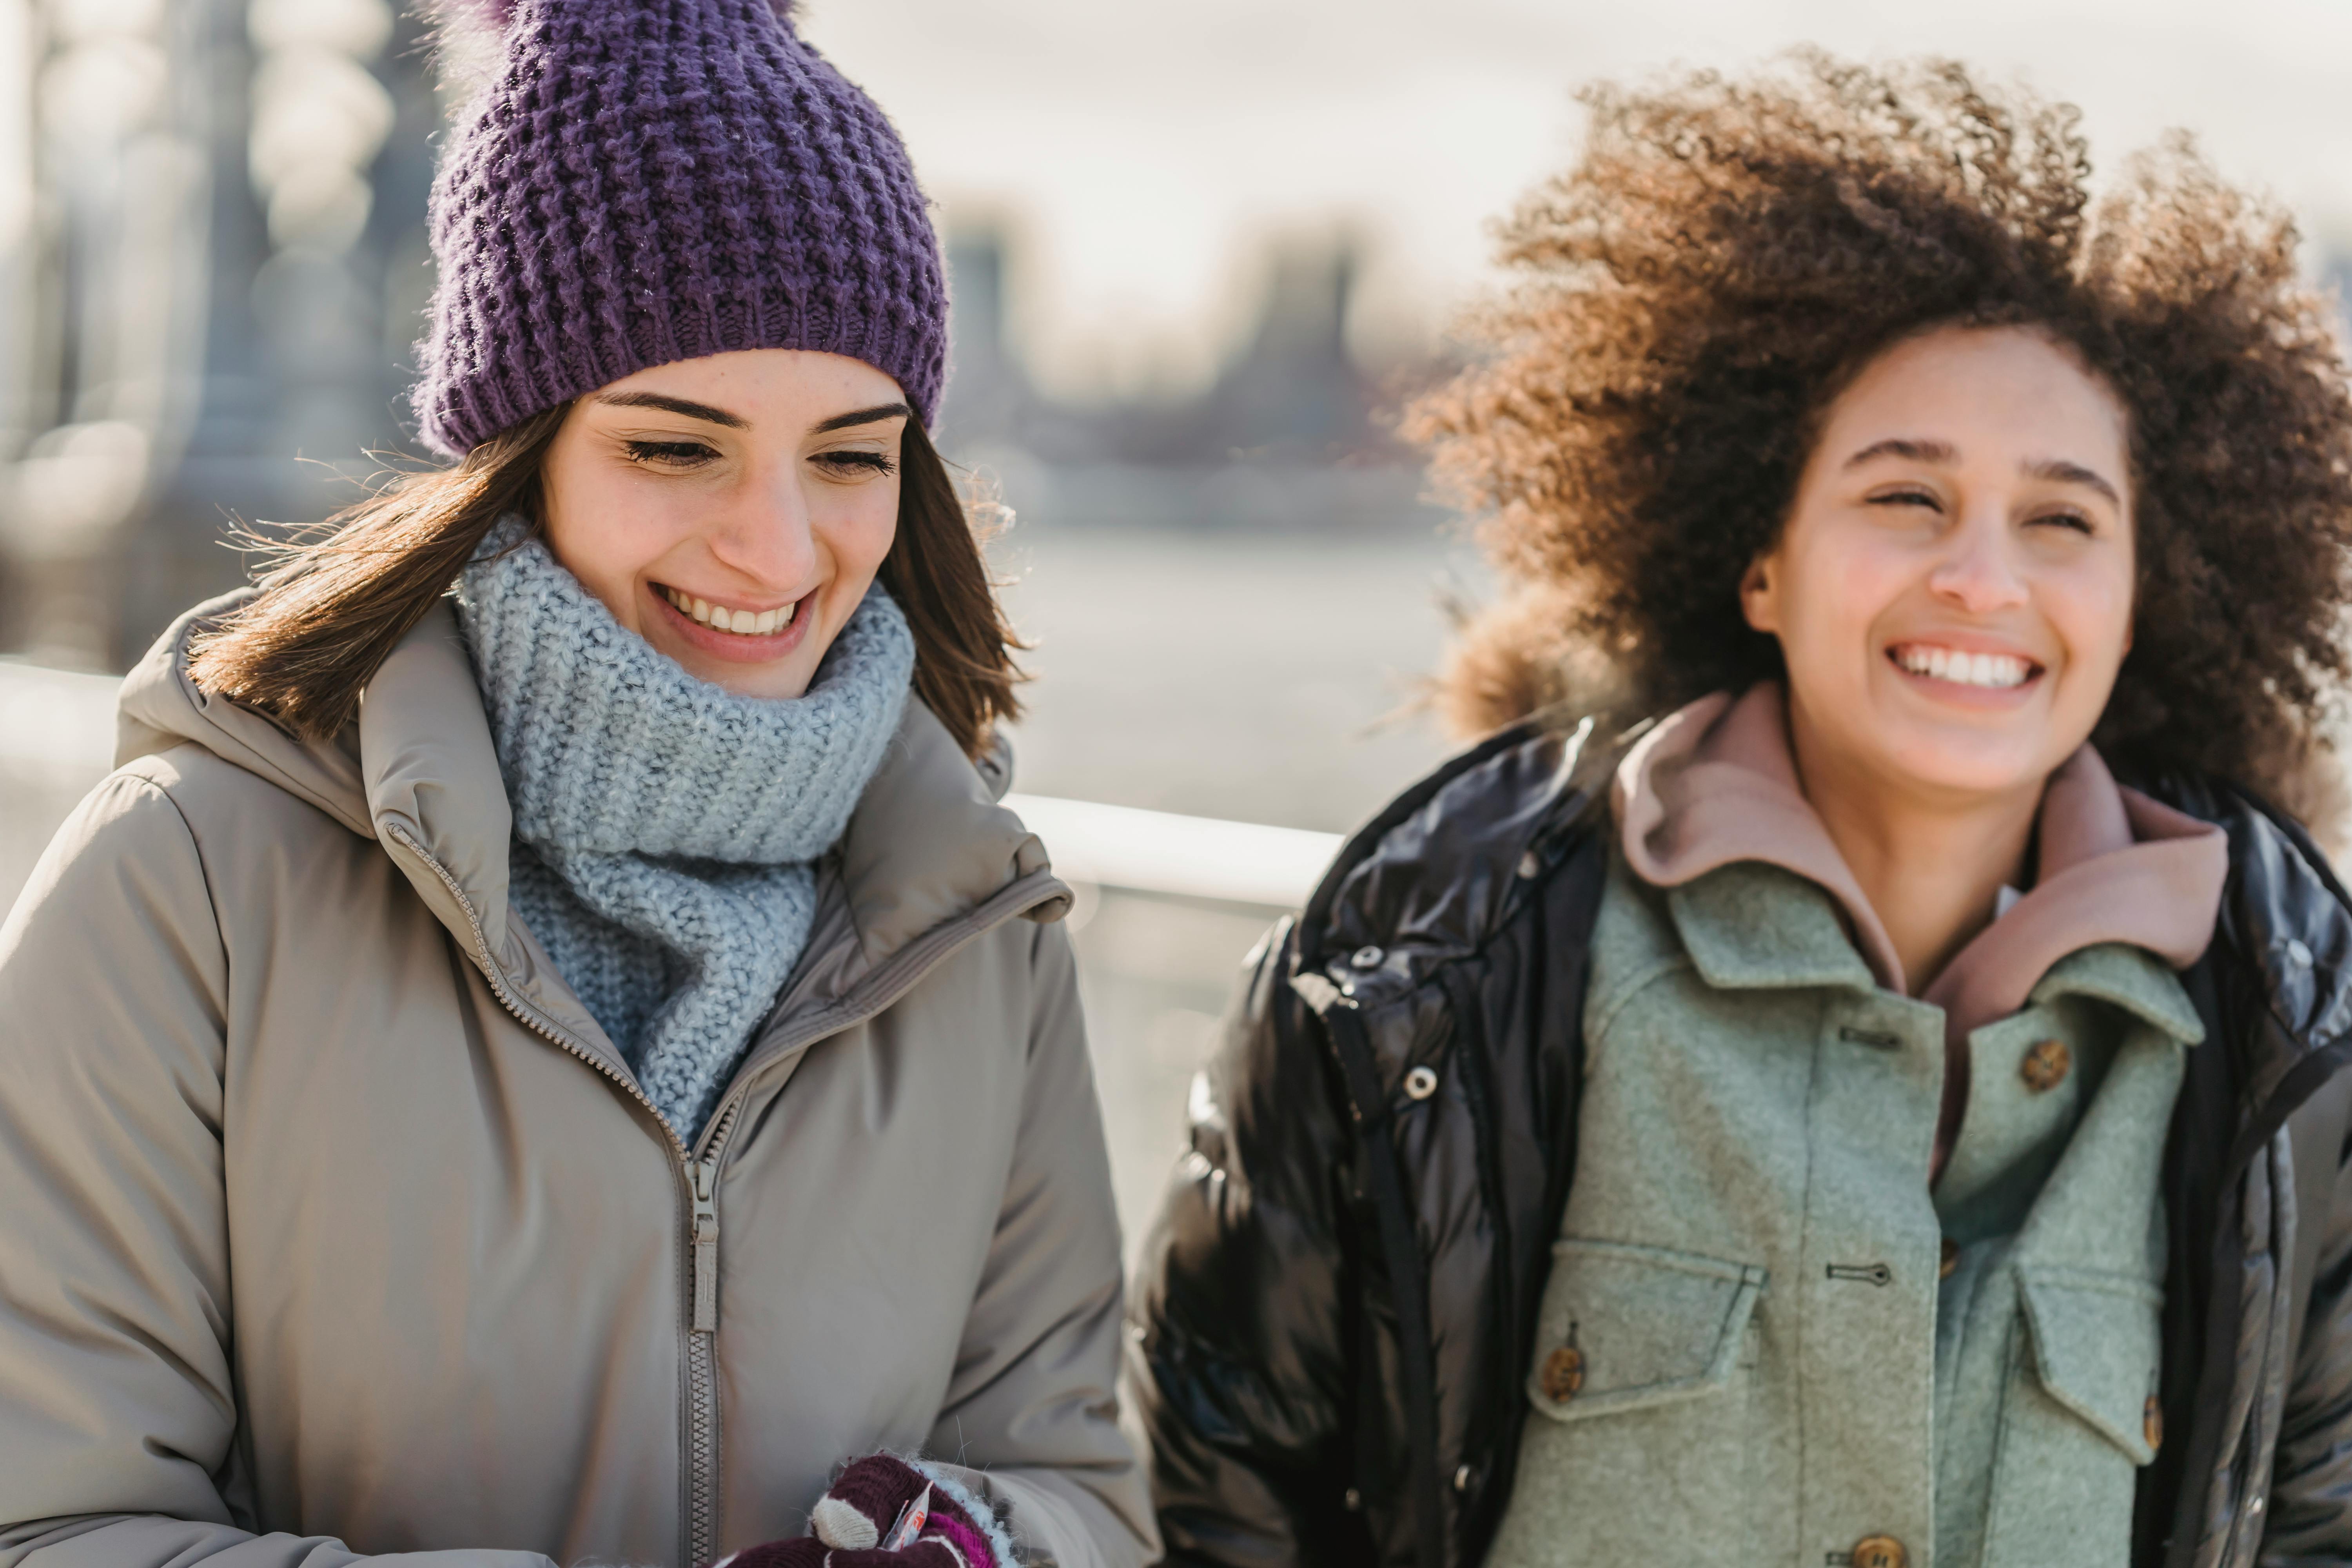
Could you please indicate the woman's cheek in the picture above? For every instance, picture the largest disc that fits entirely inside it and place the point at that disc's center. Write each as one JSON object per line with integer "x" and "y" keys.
{"x": 1854, "y": 588}
{"x": 870, "y": 531}
{"x": 2094, "y": 624}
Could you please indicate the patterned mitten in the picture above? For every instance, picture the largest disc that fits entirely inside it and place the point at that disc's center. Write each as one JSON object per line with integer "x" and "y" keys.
{"x": 883, "y": 1512}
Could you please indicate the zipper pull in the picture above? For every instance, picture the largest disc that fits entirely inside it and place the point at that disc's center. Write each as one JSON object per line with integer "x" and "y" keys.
{"x": 705, "y": 1173}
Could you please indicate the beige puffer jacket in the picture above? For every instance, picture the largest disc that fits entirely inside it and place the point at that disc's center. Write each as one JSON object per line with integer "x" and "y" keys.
{"x": 335, "y": 1226}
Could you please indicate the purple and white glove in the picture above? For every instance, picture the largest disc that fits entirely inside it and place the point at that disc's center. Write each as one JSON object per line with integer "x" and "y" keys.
{"x": 883, "y": 1512}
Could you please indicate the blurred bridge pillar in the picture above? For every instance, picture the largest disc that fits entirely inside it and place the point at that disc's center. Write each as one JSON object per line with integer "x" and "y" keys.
{"x": 213, "y": 272}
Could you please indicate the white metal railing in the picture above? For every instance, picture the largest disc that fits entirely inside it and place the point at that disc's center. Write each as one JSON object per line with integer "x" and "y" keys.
{"x": 57, "y": 728}
{"x": 1162, "y": 852}
{"x": 57, "y": 724}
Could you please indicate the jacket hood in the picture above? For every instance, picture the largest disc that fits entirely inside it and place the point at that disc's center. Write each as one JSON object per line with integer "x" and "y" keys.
{"x": 927, "y": 846}
{"x": 160, "y": 707}
{"x": 1716, "y": 783}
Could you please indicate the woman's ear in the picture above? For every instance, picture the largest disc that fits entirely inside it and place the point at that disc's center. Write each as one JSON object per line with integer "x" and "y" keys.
{"x": 1759, "y": 595}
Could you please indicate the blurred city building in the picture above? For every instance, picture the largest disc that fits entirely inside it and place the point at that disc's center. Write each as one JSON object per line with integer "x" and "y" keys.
{"x": 212, "y": 267}
{"x": 212, "y": 261}
{"x": 1293, "y": 435}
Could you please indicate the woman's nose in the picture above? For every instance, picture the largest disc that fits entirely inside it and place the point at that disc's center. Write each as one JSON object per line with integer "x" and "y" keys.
{"x": 1977, "y": 572}
{"x": 770, "y": 539}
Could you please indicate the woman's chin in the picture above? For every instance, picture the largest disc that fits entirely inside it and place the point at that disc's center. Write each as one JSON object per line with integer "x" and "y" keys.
{"x": 778, "y": 677}
{"x": 1956, "y": 743}
{"x": 1963, "y": 767}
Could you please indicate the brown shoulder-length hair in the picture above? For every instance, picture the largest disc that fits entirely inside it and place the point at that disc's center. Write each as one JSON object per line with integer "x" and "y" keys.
{"x": 334, "y": 606}
{"x": 1724, "y": 257}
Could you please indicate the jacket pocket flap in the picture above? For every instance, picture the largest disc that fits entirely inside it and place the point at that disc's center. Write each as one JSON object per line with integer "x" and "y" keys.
{"x": 1624, "y": 1327}
{"x": 2096, "y": 1344}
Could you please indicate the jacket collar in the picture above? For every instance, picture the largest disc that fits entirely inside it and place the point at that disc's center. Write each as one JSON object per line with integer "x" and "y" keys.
{"x": 2127, "y": 977}
{"x": 1750, "y": 925}
{"x": 2283, "y": 943}
{"x": 927, "y": 845}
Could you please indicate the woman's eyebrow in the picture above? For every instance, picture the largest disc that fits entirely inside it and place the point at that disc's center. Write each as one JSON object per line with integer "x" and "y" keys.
{"x": 1916, "y": 451}
{"x": 873, "y": 416}
{"x": 692, "y": 410}
{"x": 2058, "y": 470}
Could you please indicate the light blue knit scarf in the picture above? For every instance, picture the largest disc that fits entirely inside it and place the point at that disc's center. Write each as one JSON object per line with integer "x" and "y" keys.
{"x": 664, "y": 827}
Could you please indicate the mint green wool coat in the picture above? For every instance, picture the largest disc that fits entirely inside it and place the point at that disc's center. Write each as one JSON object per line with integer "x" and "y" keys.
{"x": 1751, "y": 1351}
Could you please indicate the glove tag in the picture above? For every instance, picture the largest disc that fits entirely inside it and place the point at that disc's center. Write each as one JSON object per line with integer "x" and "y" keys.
{"x": 909, "y": 1523}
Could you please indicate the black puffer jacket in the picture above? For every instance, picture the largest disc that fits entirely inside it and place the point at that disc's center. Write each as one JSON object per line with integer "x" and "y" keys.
{"x": 1337, "y": 1307}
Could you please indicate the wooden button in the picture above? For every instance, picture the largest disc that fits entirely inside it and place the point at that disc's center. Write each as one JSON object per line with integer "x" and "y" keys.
{"x": 2045, "y": 1066}
{"x": 1951, "y": 1260}
{"x": 1563, "y": 1374}
{"x": 1879, "y": 1551}
{"x": 2152, "y": 1422}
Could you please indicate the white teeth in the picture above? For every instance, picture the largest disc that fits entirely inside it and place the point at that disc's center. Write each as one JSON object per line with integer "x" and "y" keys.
{"x": 743, "y": 623}
{"x": 1996, "y": 670}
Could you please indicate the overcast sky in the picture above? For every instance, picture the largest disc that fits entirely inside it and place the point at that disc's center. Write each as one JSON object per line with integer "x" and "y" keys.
{"x": 1144, "y": 152}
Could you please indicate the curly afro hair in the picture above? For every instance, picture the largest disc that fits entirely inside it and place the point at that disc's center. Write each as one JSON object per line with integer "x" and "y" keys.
{"x": 1727, "y": 254}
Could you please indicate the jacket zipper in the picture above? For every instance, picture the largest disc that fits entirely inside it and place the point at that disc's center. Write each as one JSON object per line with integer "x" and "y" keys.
{"x": 1401, "y": 1255}
{"x": 702, "y": 1522}
{"x": 706, "y": 1228}
{"x": 702, "y": 1351}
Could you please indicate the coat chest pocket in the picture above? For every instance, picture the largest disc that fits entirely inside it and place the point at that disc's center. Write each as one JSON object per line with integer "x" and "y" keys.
{"x": 1639, "y": 1449}
{"x": 1625, "y": 1328}
{"x": 2079, "y": 1417}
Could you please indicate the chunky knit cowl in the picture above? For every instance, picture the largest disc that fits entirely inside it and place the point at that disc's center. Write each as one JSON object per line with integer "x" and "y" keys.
{"x": 665, "y": 828}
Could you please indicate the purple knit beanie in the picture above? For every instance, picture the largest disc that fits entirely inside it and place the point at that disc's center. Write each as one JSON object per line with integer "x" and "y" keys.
{"x": 648, "y": 180}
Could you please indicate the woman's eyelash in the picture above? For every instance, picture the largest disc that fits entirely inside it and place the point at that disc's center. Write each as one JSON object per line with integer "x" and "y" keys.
{"x": 694, "y": 453}
{"x": 2073, "y": 520}
{"x": 678, "y": 453}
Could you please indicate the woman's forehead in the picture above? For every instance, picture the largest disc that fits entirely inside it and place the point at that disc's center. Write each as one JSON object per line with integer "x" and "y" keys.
{"x": 1960, "y": 396}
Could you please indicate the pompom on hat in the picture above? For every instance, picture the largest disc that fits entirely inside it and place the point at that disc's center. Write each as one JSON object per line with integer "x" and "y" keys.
{"x": 645, "y": 181}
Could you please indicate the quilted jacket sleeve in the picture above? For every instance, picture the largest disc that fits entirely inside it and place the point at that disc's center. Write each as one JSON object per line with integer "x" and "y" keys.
{"x": 117, "y": 1406}
{"x": 1237, "y": 1361}
{"x": 2310, "y": 1498}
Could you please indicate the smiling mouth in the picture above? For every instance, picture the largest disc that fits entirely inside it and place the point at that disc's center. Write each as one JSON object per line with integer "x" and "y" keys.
{"x": 720, "y": 619}
{"x": 1992, "y": 671}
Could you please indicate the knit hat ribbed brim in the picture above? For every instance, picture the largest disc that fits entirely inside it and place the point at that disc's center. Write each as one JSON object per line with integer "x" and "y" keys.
{"x": 648, "y": 180}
